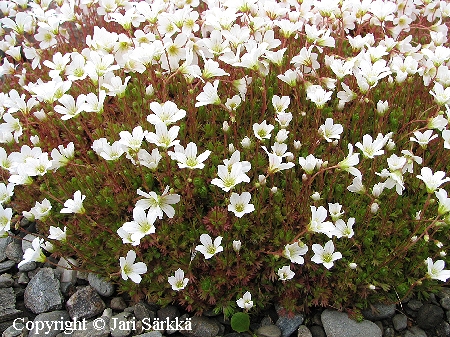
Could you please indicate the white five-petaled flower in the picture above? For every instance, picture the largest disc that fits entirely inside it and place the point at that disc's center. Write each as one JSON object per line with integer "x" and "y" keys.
{"x": 444, "y": 202}
{"x": 158, "y": 203}
{"x": 371, "y": 148}
{"x": 230, "y": 177}
{"x": 432, "y": 180}
{"x": 163, "y": 137}
{"x": 344, "y": 229}
{"x": 294, "y": 252}
{"x": 142, "y": 225}
{"x": 34, "y": 254}
{"x": 325, "y": 255}
{"x": 132, "y": 270}
{"x": 318, "y": 224}
{"x": 5, "y": 218}
{"x": 57, "y": 233}
{"x": 285, "y": 273}
{"x": 209, "y": 95}
{"x": 178, "y": 282}
{"x": 167, "y": 113}
{"x": 187, "y": 158}
{"x": 74, "y": 205}
{"x": 208, "y": 248}
{"x": 245, "y": 302}
{"x": 262, "y": 130}
{"x": 239, "y": 204}
{"x": 423, "y": 138}
{"x": 330, "y": 131}
{"x": 349, "y": 163}
{"x": 436, "y": 270}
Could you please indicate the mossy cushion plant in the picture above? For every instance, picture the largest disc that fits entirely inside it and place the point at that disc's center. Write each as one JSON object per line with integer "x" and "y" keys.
{"x": 228, "y": 155}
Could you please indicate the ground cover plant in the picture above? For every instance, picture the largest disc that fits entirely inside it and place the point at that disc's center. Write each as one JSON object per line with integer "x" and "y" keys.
{"x": 229, "y": 155}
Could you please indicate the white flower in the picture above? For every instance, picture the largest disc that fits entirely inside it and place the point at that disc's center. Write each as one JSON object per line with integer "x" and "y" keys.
{"x": 209, "y": 95}
{"x": 350, "y": 161}
{"x": 5, "y": 218}
{"x": 335, "y": 211}
{"x": 371, "y": 148}
{"x": 158, "y": 204}
{"x": 432, "y": 180}
{"x": 344, "y": 229}
{"x": 436, "y": 270}
{"x": 167, "y": 113}
{"x": 245, "y": 302}
{"x": 239, "y": 204}
{"x": 294, "y": 252}
{"x": 208, "y": 248}
{"x": 285, "y": 273}
{"x": 74, "y": 205}
{"x": 58, "y": 234}
{"x": 318, "y": 95}
{"x": 178, "y": 282}
{"x": 357, "y": 186}
{"x": 34, "y": 254}
{"x": 230, "y": 177}
{"x": 444, "y": 202}
{"x": 318, "y": 224}
{"x": 6, "y": 192}
{"x": 188, "y": 158}
{"x": 325, "y": 255}
{"x": 163, "y": 137}
{"x": 263, "y": 130}
{"x": 329, "y": 130}
{"x": 142, "y": 225}
{"x": 423, "y": 138}
{"x": 310, "y": 163}
{"x": 132, "y": 270}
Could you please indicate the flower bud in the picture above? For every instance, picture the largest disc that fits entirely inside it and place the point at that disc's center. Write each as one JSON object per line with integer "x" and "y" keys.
{"x": 382, "y": 107}
{"x": 426, "y": 238}
{"x": 225, "y": 126}
{"x": 290, "y": 157}
{"x": 374, "y": 208}
{"x": 246, "y": 143}
{"x": 297, "y": 144}
{"x": 304, "y": 177}
{"x": 315, "y": 196}
{"x": 442, "y": 253}
{"x": 372, "y": 287}
{"x": 231, "y": 148}
{"x": 390, "y": 145}
{"x": 274, "y": 190}
{"x": 352, "y": 265}
{"x": 149, "y": 91}
{"x": 237, "y": 245}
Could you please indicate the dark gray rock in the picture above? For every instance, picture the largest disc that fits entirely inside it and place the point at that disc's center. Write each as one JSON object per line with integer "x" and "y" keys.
{"x": 85, "y": 303}
{"x": 4, "y": 242}
{"x": 150, "y": 334}
{"x": 202, "y": 327}
{"x": 118, "y": 304}
{"x": 14, "y": 252}
{"x": 443, "y": 330}
{"x": 169, "y": 312}
{"x": 23, "y": 278}
{"x": 268, "y": 331}
{"x": 47, "y": 318}
{"x": 429, "y": 316}
{"x": 338, "y": 324}
{"x": 400, "y": 322}
{"x": 42, "y": 292}
{"x": 303, "y": 331}
{"x": 27, "y": 241}
{"x": 445, "y": 303}
{"x": 389, "y": 332}
{"x": 120, "y": 326}
{"x": 289, "y": 324}
{"x": 94, "y": 328}
{"x": 142, "y": 311}
{"x": 103, "y": 287}
{"x": 414, "y": 304}
{"x": 317, "y": 331}
{"x": 444, "y": 292}
{"x": 6, "y": 281}
{"x": 29, "y": 266}
{"x": 8, "y": 309}
{"x": 415, "y": 331}
{"x": 378, "y": 312}
{"x": 15, "y": 330}
{"x": 6, "y": 265}
{"x": 67, "y": 274}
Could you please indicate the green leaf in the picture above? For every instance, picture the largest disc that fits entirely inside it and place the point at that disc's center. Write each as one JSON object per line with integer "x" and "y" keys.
{"x": 240, "y": 322}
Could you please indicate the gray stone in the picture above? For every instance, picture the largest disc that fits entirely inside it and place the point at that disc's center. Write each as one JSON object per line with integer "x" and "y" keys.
{"x": 142, "y": 311}
{"x": 400, "y": 322}
{"x": 415, "y": 331}
{"x": 6, "y": 281}
{"x": 389, "y": 332}
{"x": 6, "y": 265}
{"x": 444, "y": 292}
{"x": 3, "y": 243}
{"x": 120, "y": 326}
{"x": 303, "y": 331}
{"x": 429, "y": 316}
{"x": 99, "y": 327}
{"x": 103, "y": 287}
{"x": 150, "y": 334}
{"x": 169, "y": 312}
{"x": 202, "y": 327}
{"x": 118, "y": 304}
{"x": 42, "y": 292}
{"x": 67, "y": 274}
{"x": 317, "y": 331}
{"x": 15, "y": 330}
{"x": 46, "y": 318}
{"x": 378, "y": 312}
{"x": 29, "y": 266}
{"x": 445, "y": 303}
{"x": 443, "y": 330}
{"x": 338, "y": 324}
{"x": 289, "y": 324}
{"x": 85, "y": 303}
{"x": 14, "y": 252}
{"x": 27, "y": 241}
{"x": 268, "y": 331}
{"x": 414, "y": 305}
{"x": 8, "y": 309}
{"x": 23, "y": 278}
